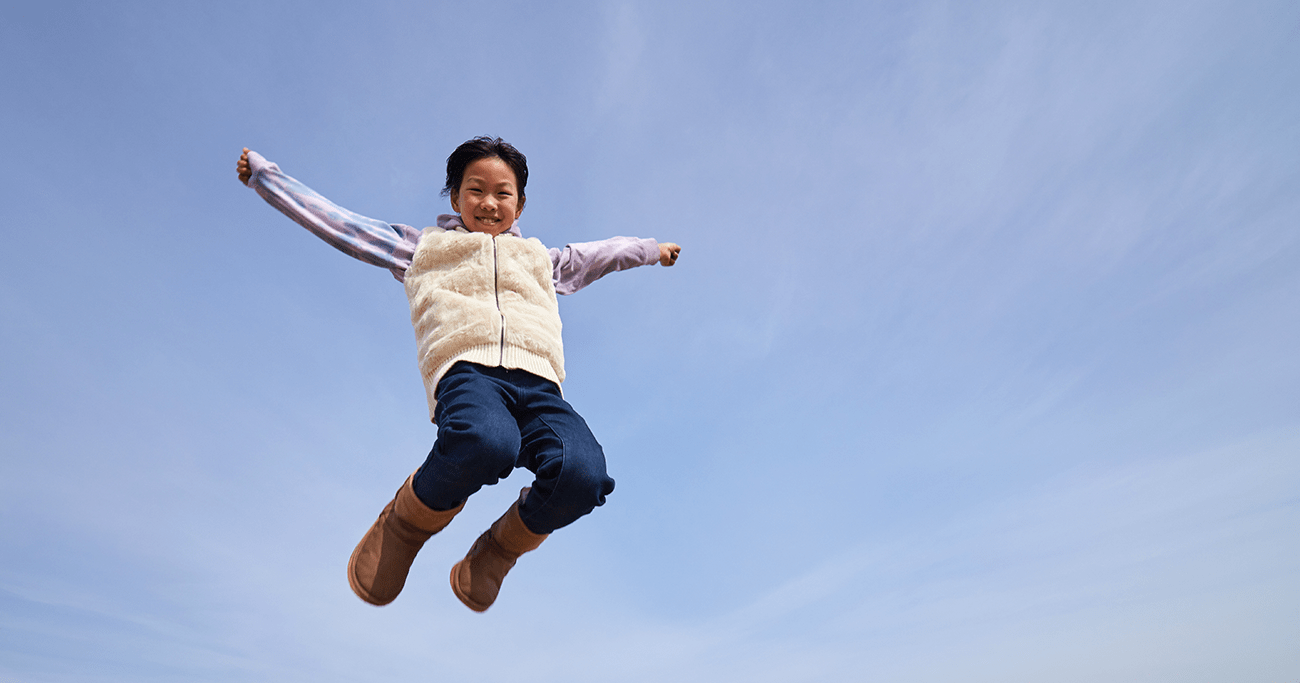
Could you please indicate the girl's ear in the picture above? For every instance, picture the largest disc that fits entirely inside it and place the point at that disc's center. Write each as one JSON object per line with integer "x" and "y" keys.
{"x": 520, "y": 209}
{"x": 455, "y": 201}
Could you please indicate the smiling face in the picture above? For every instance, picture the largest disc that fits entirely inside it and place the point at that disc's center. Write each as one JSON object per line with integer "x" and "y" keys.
{"x": 488, "y": 200}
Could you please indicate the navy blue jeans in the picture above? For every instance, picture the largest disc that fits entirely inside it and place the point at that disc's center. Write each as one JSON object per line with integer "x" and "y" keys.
{"x": 492, "y": 420}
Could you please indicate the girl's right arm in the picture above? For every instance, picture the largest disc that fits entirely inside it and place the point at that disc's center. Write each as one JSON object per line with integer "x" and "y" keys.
{"x": 373, "y": 241}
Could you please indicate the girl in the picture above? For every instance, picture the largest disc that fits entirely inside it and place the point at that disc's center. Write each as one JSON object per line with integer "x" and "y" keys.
{"x": 487, "y": 328}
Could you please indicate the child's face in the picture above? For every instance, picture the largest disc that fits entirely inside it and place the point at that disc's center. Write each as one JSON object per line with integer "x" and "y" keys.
{"x": 487, "y": 199}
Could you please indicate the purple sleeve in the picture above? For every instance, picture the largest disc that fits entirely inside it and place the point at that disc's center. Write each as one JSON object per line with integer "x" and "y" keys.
{"x": 373, "y": 241}
{"x": 578, "y": 265}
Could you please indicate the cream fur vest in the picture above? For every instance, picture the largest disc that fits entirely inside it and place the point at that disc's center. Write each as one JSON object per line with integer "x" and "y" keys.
{"x": 486, "y": 300}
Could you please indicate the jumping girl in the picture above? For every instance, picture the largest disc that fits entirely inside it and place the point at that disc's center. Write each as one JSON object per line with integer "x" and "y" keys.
{"x": 487, "y": 328}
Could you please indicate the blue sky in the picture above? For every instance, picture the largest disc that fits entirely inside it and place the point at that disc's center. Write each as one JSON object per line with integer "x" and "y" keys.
{"x": 979, "y": 362}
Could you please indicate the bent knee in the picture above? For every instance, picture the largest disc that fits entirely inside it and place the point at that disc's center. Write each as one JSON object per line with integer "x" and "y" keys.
{"x": 582, "y": 483}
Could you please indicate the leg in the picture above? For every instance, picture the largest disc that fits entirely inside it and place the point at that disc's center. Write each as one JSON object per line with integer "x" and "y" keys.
{"x": 478, "y": 437}
{"x": 559, "y": 448}
{"x": 478, "y": 442}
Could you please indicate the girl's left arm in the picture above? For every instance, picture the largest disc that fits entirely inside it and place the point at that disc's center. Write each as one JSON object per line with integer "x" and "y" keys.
{"x": 578, "y": 265}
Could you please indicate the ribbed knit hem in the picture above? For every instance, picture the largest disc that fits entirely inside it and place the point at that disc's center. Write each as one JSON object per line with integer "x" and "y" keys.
{"x": 492, "y": 356}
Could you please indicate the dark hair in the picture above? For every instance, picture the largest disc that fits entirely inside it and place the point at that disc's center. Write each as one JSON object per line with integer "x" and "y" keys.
{"x": 483, "y": 147}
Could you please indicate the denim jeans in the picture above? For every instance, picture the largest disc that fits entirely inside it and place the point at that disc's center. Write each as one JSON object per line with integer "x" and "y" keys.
{"x": 492, "y": 420}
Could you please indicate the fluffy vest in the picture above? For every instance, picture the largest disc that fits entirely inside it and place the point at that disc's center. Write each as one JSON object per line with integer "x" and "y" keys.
{"x": 486, "y": 300}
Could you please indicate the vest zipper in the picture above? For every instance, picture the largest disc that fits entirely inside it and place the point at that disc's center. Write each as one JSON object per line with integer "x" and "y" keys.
{"x": 496, "y": 291}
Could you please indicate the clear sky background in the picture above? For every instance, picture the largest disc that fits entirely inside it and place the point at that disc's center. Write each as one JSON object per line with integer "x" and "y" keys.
{"x": 980, "y": 361}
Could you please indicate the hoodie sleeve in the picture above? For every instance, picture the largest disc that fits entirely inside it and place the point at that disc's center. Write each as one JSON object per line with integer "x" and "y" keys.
{"x": 578, "y": 265}
{"x": 378, "y": 243}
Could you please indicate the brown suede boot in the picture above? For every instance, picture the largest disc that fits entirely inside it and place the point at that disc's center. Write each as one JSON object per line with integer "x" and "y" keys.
{"x": 476, "y": 580}
{"x": 377, "y": 570}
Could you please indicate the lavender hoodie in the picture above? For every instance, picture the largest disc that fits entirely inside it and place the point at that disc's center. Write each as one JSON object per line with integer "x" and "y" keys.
{"x": 391, "y": 245}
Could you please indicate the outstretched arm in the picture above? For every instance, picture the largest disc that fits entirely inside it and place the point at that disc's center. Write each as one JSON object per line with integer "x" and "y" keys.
{"x": 578, "y": 265}
{"x": 373, "y": 241}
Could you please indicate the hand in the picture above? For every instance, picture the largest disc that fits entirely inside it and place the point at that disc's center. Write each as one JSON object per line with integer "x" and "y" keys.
{"x": 245, "y": 173}
{"x": 668, "y": 253}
